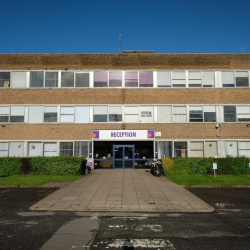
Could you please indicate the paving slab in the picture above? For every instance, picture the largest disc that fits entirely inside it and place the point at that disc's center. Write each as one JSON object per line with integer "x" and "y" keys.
{"x": 123, "y": 190}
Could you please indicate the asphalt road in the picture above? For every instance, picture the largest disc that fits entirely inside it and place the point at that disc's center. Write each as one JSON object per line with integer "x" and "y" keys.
{"x": 227, "y": 228}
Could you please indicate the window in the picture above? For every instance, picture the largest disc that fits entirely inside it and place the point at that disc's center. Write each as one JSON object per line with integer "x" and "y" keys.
{"x": 195, "y": 114}
{"x": 115, "y": 79}
{"x": 208, "y": 79}
{"x": 16, "y": 149}
{"x": 100, "y": 114}
{"x": 164, "y": 114}
{"x": 163, "y": 149}
{"x": 179, "y": 114}
{"x": 244, "y": 148}
{"x": 50, "y": 149}
{"x": 194, "y": 78}
{"x": 51, "y": 79}
{"x": 180, "y": 149}
{"x": 36, "y": 114}
{"x": 146, "y": 79}
{"x": 131, "y": 79}
{"x": 229, "y": 113}
{"x": 211, "y": 149}
{"x": 100, "y": 79}
{"x": 209, "y": 113}
{"x": 17, "y": 114}
{"x": 83, "y": 149}
{"x": 178, "y": 79}
{"x": 4, "y": 114}
{"x": 243, "y": 113}
{"x": 35, "y": 149}
{"x": 67, "y": 79}
{"x": 50, "y": 114}
{"x": 67, "y": 114}
{"x": 164, "y": 79}
{"x": 36, "y": 79}
{"x": 18, "y": 79}
{"x": 241, "y": 79}
{"x": 66, "y": 148}
{"x": 115, "y": 113}
{"x": 131, "y": 114}
{"x": 146, "y": 114}
{"x": 231, "y": 148}
{"x": 196, "y": 149}
{"x": 3, "y": 149}
{"x": 4, "y": 79}
{"x": 232, "y": 79}
{"x": 81, "y": 114}
{"x": 82, "y": 79}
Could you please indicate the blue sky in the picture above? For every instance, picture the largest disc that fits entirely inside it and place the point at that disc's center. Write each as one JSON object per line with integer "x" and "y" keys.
{"x": 80, "y": 26}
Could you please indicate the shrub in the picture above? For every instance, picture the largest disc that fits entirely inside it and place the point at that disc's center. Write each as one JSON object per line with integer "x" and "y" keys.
{"x": 63, "y": 165}
{"x": 25, "y": 165}
{"x": 203, "y": 166}
{"x": 10, "y": 166}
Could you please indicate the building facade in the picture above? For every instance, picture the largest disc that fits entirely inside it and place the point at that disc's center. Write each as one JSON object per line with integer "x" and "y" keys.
{"x": 119, "y": 110}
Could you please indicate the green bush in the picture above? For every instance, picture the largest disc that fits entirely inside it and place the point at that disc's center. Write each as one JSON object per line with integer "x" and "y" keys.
{"x": 203, "y": 166}
{"x": 63, "y": 165}
{"x": 10, "y": 166}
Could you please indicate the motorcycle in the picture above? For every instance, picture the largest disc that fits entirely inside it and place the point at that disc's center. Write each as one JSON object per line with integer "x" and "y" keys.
{"x": 156, "y": 167}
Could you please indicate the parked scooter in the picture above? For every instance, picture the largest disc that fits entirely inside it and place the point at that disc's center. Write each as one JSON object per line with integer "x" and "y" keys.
{"x": 156, "y": 167}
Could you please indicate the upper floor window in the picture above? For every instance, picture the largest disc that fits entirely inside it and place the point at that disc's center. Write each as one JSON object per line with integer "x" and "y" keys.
{"x": 115, "y": 113}
{"x": 4, "y": 114}
{"x": 235, "y": 79}
{"x": 4, "y": 79}
{"x": 164, "y": 79}
{"x": 146, "y": 79}
{"x": 115, "y": 79}
{"x": 100, "y": 114}
{"x": 101, "y": 79}
{"x": 82, "y": 80}
{"x": 164, "y": 114}
{"x": 202, "y": 114}
{"x": 17, "y": 114}
{"x": 18, "y": 79}
{"x": 40, "y": 79}
{"x": 131, "y": 79}
{"x": 179, "y": 79}
{"x": 67, "y": 79}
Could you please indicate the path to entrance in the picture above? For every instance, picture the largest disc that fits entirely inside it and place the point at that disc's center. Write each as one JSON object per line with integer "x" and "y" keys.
{"x": 123, "y": 190}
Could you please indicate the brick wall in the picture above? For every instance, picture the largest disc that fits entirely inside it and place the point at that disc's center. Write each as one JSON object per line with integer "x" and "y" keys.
{"x": 83, "y": 131}
{"x": 125, "y": 96}
{"x": 123, "y": 61}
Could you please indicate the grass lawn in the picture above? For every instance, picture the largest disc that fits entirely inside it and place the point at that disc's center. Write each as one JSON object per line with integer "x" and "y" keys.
{"x": 209, "y": 179}
{"x": 33, "y": 179}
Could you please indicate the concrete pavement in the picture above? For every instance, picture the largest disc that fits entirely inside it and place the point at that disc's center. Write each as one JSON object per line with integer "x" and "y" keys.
{"x": 122, "y": 190}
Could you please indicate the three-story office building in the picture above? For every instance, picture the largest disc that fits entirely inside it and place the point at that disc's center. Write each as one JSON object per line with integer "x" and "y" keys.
{"x": 118, "y": 110}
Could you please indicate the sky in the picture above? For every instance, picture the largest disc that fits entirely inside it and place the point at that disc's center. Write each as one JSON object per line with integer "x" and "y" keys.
{"x": 94, "y": 26}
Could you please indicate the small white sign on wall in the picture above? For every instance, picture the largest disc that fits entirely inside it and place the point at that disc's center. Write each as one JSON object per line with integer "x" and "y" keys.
{"x": 158, "y": 134}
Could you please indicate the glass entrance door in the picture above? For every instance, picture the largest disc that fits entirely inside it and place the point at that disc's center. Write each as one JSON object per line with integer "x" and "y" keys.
{"x": 123, "y": 156}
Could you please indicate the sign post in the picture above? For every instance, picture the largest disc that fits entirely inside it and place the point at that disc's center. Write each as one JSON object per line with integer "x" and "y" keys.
{"x": 214, "y": 168}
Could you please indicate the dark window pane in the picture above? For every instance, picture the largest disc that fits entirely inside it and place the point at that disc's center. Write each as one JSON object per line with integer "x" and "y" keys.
{"x": 230, "y": 113}
{"x": 195, "y": 85}
{"x": 115, "y": 118}
{"x": 4, "y": 118}
{"x": 66, "y": 148}
{"x": 115, "y": 79}
{"x": 67, "y": 79}
{"x": 195, "y": 114}
{"x": 209, "y": 117}
{"x": 179, "y": 85}
{"x": 82, "y": 80}
{"x": 146, "y": 79}
{"x": 50, "y": 117}
{"x": 228, "y": 85}
{"x": 51, "y": 79}
{"x": 242, "y": 82}
{"x": 131, "y": 79}
{"x": 246, "y": 119}
{"x": 100, "y": 79}
{"x": 196, "y": 120}
{"x": 100, "y": 118}
{"x": 4, "y": 79}
{"x": 17, "y": 119}
{"x": 36, "y": 79}
{"x": 180, "y": 145}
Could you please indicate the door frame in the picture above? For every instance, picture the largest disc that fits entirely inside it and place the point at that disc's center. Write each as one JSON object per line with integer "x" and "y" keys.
{"x": 123, "y": 146}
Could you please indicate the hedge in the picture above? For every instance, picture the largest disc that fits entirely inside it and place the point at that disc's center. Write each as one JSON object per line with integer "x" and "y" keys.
{"x": 203, "y": 166}
{"x": 58, "y": 165}
{"x": 10, "y": 166}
